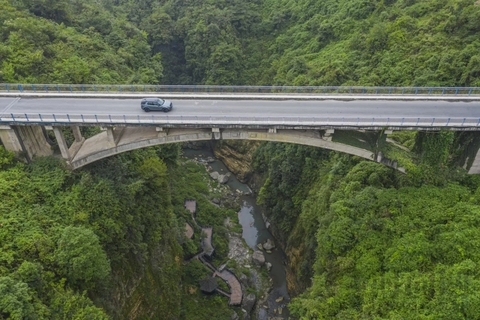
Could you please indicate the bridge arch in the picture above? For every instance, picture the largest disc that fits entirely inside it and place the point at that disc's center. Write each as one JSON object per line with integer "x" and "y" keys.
{"x": 121, "y": 139}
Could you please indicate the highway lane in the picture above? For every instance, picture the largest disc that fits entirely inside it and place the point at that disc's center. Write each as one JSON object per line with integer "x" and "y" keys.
{"x": 251, "y": 108}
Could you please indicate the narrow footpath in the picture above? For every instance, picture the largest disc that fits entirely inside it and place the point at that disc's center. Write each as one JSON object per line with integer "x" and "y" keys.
{"x": 235, "y": 296}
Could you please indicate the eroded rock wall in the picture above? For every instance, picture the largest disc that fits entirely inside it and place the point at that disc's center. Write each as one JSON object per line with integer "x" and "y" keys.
{"x": 237, "y": 156}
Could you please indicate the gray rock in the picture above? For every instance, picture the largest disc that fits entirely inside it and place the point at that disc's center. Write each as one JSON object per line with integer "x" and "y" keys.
{"x": 263, "y": 314}
{"x": 269, "y": 245}
{"x": 268, "y": 265}
{"x": 258, "y": 258}
{"x": 246, "y": 315}
{"x": 259, "y": 246}
{"x": 243, "y": 279}
{"x": 248, "y": 302}
{"x": 210, "y": 160}
{"x": 214, "y": 175}
{"x": 234, "y": 316}
{"x": 223, "y": 178}
{"x": 216, "y": 200}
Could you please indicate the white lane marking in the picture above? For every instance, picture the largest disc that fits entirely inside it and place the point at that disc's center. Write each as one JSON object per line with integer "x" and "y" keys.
{"x": 11, "y": 104}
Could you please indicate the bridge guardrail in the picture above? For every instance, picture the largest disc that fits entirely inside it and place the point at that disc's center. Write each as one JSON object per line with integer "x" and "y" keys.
{"x": 357, "y": 90}
{"x": 107, "y": 119}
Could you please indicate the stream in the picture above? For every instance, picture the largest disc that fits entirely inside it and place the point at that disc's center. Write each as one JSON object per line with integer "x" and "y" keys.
{"x": 254, "y": 232}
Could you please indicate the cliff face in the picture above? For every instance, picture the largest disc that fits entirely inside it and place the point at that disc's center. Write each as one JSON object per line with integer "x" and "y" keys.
{"x": 146, "y": 289}
{"x": 237, "y": 156}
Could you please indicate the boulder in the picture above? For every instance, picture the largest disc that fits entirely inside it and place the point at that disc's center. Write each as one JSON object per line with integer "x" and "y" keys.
{"x": 243, "y": 279}
{"x": 268, "y": 265}
{"x": 246, "y": 315}
{"x": 216, "y": 200}
{"x": 259, "y": 246}
{"x": 234, "y": 316}
{"x": 269, "y": 245}
{"x": 214, "y": 175}
{"x": 248, "y": 302}
{"x": 210, "y": 160}
{"x": 258, "y": 258}
{"x": 223, "y": 178}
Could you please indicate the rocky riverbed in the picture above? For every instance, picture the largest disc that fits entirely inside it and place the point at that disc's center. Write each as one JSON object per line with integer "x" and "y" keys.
{"x": 258, "y": 264}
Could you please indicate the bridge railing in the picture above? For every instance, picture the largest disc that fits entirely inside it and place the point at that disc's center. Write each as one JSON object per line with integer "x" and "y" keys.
{"x": 250, "y": 121}
{"x": 354, "y": 90}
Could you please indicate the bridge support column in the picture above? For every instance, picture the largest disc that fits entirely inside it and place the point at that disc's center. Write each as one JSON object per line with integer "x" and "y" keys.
{"x": 68, "y": 153}
{"x": 161, "y": 132}
{"x": 10, "y": 140}
{"x": 78, "y": 143}
{"x": 217, "y": 135}
{"x": 29, "y": 140}
{"x": 272, "y": 130}
{"x": 111, "y": 137}
{"x": 328, "y": 134}
{"x": 62, "y": 143}
{"x": 77, "y": 134}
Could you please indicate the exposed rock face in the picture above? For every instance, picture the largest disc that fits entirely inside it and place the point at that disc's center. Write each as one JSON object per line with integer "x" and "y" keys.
{"x": 237, "y": 251}
{"x": 258, "y": 258}
{"x": 237, "y": 156}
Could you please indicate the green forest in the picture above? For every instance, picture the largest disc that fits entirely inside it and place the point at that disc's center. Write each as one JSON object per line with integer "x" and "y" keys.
{"x": 104, "y": 242}
{"x": 247, "y": 42}
{"x": 366, "y": 242}
{"x": 362, "y": 240}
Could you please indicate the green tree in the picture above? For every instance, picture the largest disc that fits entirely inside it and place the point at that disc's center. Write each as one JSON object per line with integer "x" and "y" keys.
{"x": 81, "y": 258}
{"x": 15, "y": 300}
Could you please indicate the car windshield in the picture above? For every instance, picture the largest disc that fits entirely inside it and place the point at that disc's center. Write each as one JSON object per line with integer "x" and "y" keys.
{"x": 160, "y": 101}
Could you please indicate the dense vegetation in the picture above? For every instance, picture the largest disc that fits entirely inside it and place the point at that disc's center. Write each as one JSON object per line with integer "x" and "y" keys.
{"x": 330, "y": 42}
{"x": 111, "y": 234}
{"x": 375, "y": 243}
{"x": 366, "y": 242}
{"x": 62, "y": 233}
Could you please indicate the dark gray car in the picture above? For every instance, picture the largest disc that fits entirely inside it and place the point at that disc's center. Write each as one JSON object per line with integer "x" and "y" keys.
{"x": 156, "y": 104}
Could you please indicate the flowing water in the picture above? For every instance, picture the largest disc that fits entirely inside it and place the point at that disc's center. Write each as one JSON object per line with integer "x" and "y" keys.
{"x": 254, "y": 232}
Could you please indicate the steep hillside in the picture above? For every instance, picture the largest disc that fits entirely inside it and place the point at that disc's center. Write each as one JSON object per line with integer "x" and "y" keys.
{"x": 72, "y": 42}
{"x": 331, "y": 42}
{"x": 369, "y": 42}
{"x": 68, "y": 239}
{"x": 366, "y": 241}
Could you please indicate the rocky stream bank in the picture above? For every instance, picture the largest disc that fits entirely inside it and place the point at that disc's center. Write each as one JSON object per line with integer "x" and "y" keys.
{"x": 253, "y": 256}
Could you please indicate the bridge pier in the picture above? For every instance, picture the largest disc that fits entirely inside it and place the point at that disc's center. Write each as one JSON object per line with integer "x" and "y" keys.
{"x": 30, "y": 141}
{"x": 10, "y": 139}
{"x": 162, "y": 132}
{"x": 217, "y": 135}
{"x": 68, "y": 153}
{"x": 113, "y": 135}
{"x": 327, "y": 136}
